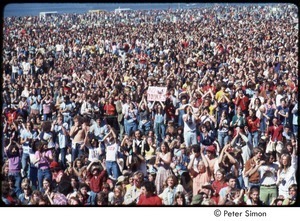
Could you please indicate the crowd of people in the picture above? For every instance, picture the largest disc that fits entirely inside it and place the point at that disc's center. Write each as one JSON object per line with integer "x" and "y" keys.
{"x": 79, "y": 129}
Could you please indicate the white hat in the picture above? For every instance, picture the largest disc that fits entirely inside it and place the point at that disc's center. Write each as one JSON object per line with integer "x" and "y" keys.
{"x": 120, "y": 179}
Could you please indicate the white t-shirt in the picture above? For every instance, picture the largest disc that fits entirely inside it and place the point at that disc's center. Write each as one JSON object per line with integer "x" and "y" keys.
{"x": 112, "y": 151}
{"x": 268, "y": 174}
{"x": 62, "y": 139}
{"x": 190, "y": 124}
{"x": 26, "y": 134}
{"x": 94, "y": 153}
{"x": 25, "y": 67}
{"x": 288, "y": 177}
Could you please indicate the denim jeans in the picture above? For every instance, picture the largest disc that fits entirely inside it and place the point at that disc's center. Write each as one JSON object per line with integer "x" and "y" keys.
{"x": 223, "y": 138}
{"x": 160, "y": 131}
{"x": 92, "y": 198}
{"x": 25, "y": 161}
{"x": 250, "y": 185}
{"x": 63, "y": 153}
{"x": 240, "y": 183}
{"x": 68, "y": 119}
{"x": 126, "y": 126}
{"x": 142, "y": 66}
{"x": 43, "y": 173}
{"x": 130, "y": 127}
{"x": 76, "y": 152}
{"x": 112, "y": 169}
{"x": 180, "y": 120}
{"x": 295, "y": 129}
{"x": 144, "y": 128}
{"x": 263, "y": 125}
{"x": 254, "y": 136}
{"x": 47, "y": 116}
{"x": 33, "y": 174}
{"x": 190, "y": 138}
{"x": 18, "y": 179}
{"x": 14, "y": 76}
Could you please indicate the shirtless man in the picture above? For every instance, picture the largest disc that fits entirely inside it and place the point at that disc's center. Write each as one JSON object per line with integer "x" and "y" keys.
{"x": 78, "y": 134}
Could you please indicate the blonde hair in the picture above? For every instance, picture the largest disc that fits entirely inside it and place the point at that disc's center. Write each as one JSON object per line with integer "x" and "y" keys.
{"x": 175, "y": 180}
{"x": 288, "y": 158}
{"x": 139, "y": 174}
{"x": 120, "y": 188}
{"x": 24, "y": 186}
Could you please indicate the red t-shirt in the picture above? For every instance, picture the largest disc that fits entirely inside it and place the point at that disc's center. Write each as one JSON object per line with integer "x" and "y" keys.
{"x": 242, "y": 102}
{"x": 170, "y": 111}
{"x": 143, "y": 58}
{"x": 96, "y": 181}
{"x": 206, "y": 88}
{"x": 276, "y": 133}
{"x": 11, "y": 116}
{"x": 67, "y": 89}
{"x": 149, "y": 201}
{"x": 217, "y": 186}
{"x": 110, "y": 109}
{"x": 11, "y": 200}
{"x": 253, "y": 125}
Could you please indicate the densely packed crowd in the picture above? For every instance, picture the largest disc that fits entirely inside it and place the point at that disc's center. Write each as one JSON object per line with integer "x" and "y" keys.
{"x": 79, "y": 129}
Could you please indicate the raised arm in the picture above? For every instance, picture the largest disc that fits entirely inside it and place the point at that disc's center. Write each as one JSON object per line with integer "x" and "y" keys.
{"x": 191, "y": 163}
{"x": 254, "y": 168}
{"x": 232, "y": 143}
{"x": 106, "y": 136}
{"x": 112, "y": 132}
{"x": 7, "y": 147}
{"x": 222, "y": 154}
{"x": 203, "y": 157}
{"x": 163, "y": 106}
{"x": 152, "y": 105}
{"x": 230, "y": 157}
{"x": 123, "y": 141}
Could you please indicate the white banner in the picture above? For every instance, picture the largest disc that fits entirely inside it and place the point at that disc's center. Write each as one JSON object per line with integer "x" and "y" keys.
{"x": 156, "y": 93}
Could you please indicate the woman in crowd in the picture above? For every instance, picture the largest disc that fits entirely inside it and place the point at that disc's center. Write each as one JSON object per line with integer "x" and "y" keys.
{"x": 43, "y": 160}
{"x": 286, "y": 175}
{"x": 179, "y": 199}
{"x": 163, "y": 161}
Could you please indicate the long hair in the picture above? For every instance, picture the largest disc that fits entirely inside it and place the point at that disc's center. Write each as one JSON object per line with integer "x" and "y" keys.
{"x": 289, "y": 163}
{"x": 175, "y": 180}
{"x": 177, "y": 195}
{"x": 167, "y": 146}
{"x": 46, "y": 126}
{"x": 102, "y": 198}
{"x": 41, "y": 145}
{"x": 11, "y": 148}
